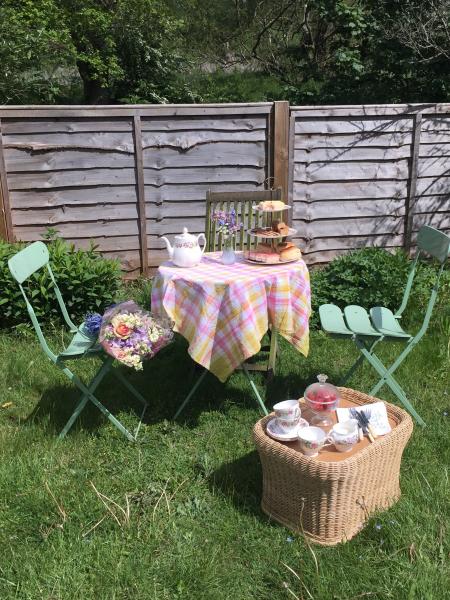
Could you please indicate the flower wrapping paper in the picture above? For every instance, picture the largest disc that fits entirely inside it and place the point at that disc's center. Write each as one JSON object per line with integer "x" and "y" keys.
{"x": 132, "y": 335}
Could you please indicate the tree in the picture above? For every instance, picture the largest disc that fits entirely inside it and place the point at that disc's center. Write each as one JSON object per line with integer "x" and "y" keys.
{"x": 119, "y": 49}
{"x": 36, "y": 52}
{"x": 424, "y": 27}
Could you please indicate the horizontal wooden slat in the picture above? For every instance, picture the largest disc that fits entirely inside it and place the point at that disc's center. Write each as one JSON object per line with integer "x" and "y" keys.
{"x": 440, "y": 220}
{"x": 432, "y": 186}
{"x": 440, "y": 149}
{"x": 347, "y": 171}
{"x": 350, "y": 190}
{"x": 364, "y": 110}
{"x": 242, "y": 154}
{"x": 72, "y": 231}
{"x": 194, "y": 123}
{"x": 66, "y": 197}
{"x": 351, "y": 153}
{"x": 196, "y": 175}
{"x": 347, "y": 209}
{"x": 18, "y": 161}
{"x": 122, "y": 195}
{"x": 436, "y": 123}
{"x": 107, "y": 177}
{"x": 356, "y": 140}
{"x": 345, "y": 126}
{"x": 366, "y": 140}
{"x": 128, "y": 110}
{"x": 73, "y": 178}
{"x": 432, "y": 204}
{"x": 70, "y": 214}
{"x": 40, "y": 142}
{"x": 25, "y": 126}
{"x": 434, "y": 166}
{"x": 349, "y": 242}
{"x": 186, "y": 140}
{"x": 333, "y": 227}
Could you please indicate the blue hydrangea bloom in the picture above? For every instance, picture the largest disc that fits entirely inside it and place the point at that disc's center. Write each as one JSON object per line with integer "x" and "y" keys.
{"x": 93, "y": 322}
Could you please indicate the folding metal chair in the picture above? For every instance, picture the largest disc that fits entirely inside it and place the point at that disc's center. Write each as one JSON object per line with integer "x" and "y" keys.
{"x": 381, "y": 324}
{"x": 22, "y": 266}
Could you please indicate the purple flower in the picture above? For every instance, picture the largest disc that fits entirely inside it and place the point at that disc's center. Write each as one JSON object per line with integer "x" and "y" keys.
{"x": 93, "y": 322}
{"x": 226, "y": 222}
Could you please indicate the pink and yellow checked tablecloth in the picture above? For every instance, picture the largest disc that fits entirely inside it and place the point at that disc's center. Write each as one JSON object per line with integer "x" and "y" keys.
{"x": 225, "y": 310}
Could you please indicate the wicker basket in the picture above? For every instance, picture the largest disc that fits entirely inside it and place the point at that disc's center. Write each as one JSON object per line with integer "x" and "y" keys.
{"x": 330, "y": 500}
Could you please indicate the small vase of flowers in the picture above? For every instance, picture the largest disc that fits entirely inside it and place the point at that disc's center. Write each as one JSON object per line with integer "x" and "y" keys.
{"x": 228, "y": 226}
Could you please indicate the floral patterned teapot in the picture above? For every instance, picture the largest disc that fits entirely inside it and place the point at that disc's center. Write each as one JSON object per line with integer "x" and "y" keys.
{"x": 186, "y": 251}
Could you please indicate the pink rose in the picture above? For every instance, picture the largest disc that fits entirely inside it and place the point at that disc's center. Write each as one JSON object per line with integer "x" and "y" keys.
{"x": 122, "y": 331}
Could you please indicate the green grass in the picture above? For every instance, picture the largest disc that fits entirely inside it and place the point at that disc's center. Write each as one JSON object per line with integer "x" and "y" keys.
{"x": 183, "y": 516}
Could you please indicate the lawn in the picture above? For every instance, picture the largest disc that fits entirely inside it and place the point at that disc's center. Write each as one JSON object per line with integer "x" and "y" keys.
{"x": 177, "y": 515}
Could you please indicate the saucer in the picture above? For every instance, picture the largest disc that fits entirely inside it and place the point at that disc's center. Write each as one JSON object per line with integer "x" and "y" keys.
{"x": 275, "y": 431}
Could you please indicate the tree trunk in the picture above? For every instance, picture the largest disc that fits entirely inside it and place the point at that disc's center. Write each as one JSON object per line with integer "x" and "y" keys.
{"x": 93, "y": 92}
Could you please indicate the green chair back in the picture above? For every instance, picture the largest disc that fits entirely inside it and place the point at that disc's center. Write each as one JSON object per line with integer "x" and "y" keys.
{"x": 243, "y": 203}
{"x": 22, "y": 266}
{"x": 437, "y": 244}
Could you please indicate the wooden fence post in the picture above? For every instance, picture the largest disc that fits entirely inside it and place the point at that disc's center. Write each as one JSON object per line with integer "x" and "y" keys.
{"x": 280, "y": 132}
{"x": 6, "y": 230}
{"x": 410, "y": 204}
{"x": 140, "y": 192}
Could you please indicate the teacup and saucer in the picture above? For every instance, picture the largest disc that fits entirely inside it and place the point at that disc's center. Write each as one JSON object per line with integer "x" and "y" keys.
{"x": 287, "y": 421}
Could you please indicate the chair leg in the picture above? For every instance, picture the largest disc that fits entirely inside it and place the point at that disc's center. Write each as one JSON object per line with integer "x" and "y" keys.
{"x": 88, "y": 395}
{"x": 191, "y": 393}
{"x": 389, "y": 380}
{"x": 255, "y": 390}
{"x": 85, "y": 397}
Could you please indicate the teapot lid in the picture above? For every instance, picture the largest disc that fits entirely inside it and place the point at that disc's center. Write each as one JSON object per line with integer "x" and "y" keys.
{"x": 185, "y": 235}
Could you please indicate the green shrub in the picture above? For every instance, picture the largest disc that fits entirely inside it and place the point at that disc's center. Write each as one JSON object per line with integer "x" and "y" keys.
{"x": 87, "y": 282}
{"x": 375, "y": 277}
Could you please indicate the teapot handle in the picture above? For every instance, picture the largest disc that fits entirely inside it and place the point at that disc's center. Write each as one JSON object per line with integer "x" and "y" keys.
{"x": 202, "y": 235}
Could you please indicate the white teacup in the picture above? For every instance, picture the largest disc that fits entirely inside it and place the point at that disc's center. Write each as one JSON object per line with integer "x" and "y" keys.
{"x": 288, "y": 414}
{"x": 312, "y": 439}
{"x": 344, "y": 435}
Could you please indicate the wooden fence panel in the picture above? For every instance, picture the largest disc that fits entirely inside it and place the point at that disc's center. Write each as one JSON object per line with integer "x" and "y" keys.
{"x": 124, "y": 176}
{"x": 186, "y": 155}
{"x": 364, "y": 176}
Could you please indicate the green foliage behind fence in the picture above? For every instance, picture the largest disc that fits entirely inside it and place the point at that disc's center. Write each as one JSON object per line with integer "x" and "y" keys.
{"x": 87, "y": 282}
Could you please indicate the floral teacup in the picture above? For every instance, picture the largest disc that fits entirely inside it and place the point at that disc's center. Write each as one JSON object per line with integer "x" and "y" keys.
{"x": 288, "y": 415}
{"x": 312, "y": 439}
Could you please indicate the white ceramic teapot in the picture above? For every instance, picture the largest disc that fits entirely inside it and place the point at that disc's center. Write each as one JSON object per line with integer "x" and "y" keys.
{"x": 186, "y": 251}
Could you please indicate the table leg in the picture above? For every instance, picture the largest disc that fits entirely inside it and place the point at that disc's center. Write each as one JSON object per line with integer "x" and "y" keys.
{"x": 191, "y": 393}
{"x": 273, "y": 351}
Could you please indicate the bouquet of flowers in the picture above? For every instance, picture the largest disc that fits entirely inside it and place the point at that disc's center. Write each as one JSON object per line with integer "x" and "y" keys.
{"x": 226, "y": 223}
{"x": 129, "y": 333}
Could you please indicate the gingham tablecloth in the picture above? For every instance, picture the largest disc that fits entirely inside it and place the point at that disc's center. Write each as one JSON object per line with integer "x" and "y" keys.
{"x": 225, "y": 310}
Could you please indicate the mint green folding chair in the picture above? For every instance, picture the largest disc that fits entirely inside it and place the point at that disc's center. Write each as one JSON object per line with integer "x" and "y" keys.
{"x": 381, "y": 324}
{"x": 22, "y": 266}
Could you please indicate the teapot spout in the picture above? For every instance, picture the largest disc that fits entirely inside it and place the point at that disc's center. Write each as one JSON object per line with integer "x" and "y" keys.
{"x": 168, "y": 246}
